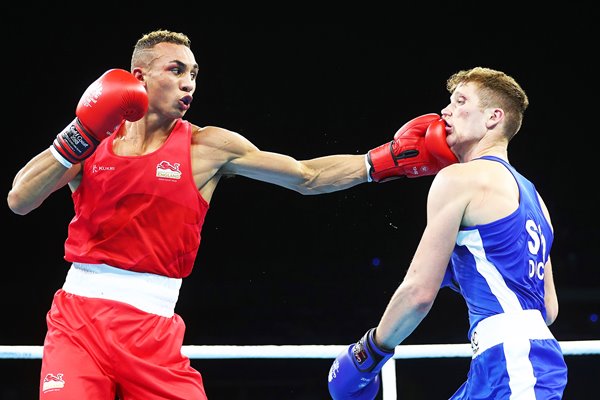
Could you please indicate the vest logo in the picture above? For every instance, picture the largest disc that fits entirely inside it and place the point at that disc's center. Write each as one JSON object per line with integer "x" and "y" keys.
{"x": 53, "y": 383}
{"x": 101, "y": 168}
{"x": 165, "y": 169}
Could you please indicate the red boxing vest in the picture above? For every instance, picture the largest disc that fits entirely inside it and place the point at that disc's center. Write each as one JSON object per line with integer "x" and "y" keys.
{"x": 139, "y": 213}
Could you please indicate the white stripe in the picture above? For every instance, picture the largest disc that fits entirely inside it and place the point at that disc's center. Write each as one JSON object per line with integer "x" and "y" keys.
{"x": 151, "y": 293}
{"x": 505, "y": 327}
{"x": 520, "y": 371}
{"x": 507, "y": 298}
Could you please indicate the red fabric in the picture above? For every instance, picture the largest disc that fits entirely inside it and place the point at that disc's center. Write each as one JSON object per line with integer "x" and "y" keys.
{"x": 95, "y": 348}
{"x": 143, "y": 213}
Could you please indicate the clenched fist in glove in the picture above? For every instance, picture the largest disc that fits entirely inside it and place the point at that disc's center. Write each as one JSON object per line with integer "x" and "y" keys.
{"x": 419, "y": 148}
{"x": 116, "y": 96}
{"x": 354, "y": 375}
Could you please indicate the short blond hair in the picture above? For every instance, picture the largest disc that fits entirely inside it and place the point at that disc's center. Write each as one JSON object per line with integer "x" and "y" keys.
{"x": 496, "y": 89}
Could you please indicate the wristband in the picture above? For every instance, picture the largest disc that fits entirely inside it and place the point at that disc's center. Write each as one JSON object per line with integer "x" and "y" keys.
{"x": 66, "y": 163}
{"x": 368, "y": 355}
{"x": 368, "y": 166}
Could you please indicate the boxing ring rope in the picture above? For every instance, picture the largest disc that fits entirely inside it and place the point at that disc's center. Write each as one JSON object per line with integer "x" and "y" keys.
{"x": 388, "y": 373}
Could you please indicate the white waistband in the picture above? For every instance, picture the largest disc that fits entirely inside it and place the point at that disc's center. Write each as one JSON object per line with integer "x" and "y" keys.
{"x": 520, "y": 325}
{"x": 151, "y": 293}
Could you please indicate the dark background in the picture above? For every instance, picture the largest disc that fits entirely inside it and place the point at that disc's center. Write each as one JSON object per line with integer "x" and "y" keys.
{"x": 275, "y": 267}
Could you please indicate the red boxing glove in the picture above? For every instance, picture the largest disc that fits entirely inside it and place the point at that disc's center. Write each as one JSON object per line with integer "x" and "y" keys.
{"x": 116, "y": 96}
{"x": 419, "y": 149}
{"x": 435, "y": 141}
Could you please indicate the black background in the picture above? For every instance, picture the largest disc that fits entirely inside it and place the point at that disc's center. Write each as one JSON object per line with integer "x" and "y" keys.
{"x": 276, "y": 267}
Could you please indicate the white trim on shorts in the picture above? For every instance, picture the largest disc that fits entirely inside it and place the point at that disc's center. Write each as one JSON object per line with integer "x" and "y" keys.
{"x": 148, "y": 292}
{"x": 511, "y": 326}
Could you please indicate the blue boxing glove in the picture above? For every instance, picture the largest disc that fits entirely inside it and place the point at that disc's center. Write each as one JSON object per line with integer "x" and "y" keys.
{"x": 355, "y": 372}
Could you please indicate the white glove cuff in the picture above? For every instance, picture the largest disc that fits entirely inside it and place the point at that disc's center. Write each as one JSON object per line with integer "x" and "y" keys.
{"x": 66, "y": 163}
{"x": 368, "y": 166}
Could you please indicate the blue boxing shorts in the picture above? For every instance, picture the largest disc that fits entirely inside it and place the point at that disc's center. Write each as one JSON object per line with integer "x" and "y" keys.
{"x": 515, "y": 357}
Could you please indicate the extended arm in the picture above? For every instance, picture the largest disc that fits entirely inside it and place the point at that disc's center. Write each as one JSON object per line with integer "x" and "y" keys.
{"x": 315, "y": 176}
{"x": 418, "y": 149}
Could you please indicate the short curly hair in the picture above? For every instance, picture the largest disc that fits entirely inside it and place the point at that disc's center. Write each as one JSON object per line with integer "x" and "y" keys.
{"x": 151, "y": 39}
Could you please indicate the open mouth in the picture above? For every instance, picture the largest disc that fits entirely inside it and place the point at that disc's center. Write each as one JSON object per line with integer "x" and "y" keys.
{"x": 186, "y": 100}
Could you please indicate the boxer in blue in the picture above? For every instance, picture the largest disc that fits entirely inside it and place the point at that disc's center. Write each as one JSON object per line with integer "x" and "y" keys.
{"x": 488, "y": 237}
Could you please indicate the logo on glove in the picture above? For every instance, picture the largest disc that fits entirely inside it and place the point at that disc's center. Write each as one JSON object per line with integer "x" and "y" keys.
{"x": 359, "y": 353}
{"x": 335, "y": 367}
{"x": 474, "y": 343}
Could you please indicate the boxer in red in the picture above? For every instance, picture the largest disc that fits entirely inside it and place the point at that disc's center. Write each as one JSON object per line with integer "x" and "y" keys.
{"x": 142, "y": 179}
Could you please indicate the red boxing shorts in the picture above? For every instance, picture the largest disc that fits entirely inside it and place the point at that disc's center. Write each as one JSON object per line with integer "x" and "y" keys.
{"x": 97, "y": 348}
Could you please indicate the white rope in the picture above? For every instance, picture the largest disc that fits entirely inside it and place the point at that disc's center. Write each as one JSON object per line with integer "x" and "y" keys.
{"x": 582, "y": 347}
{"x": 388, "y": 372}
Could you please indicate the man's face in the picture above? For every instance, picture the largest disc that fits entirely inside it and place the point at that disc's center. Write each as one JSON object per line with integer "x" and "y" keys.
{"x": 171, "y": 79}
